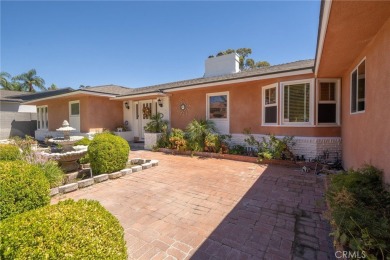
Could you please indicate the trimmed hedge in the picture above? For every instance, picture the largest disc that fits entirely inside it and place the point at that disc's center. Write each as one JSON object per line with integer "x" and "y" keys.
{"x": 108, "y": 153}
{"x": 23, "y": 187}
{"x": 84, "y": 141}
{"x": 67, "y": 230}
{"x": 9, "y": 152}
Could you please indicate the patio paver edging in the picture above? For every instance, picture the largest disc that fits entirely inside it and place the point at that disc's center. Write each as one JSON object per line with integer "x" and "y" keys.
{"x": 145, "y": 164}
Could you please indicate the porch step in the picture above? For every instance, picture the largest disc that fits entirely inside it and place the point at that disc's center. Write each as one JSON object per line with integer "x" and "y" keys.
{"x": 136, "y": 146}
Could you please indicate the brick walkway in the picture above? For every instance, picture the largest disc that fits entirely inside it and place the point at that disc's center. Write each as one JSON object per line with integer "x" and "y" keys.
{"x": 216, "y": 209}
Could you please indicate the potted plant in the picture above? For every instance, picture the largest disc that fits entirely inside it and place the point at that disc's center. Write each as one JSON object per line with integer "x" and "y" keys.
{"x": 153, "y": 130}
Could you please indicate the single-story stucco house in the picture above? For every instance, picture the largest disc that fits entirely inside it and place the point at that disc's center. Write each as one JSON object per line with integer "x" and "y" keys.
{"x": 336, "y": 102}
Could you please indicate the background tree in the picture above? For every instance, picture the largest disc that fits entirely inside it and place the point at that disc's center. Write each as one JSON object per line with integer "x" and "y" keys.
{"x": 52, "y": 87}
{"x": 9, "y": 85}
{"x": 245, "y": 62}
{"x": 30, "y": 79}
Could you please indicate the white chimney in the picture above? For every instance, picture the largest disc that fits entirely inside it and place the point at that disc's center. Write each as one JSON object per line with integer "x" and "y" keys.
{"x": 222, "y": 65}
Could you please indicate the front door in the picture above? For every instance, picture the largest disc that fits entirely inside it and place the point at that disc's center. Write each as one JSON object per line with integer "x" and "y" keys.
{"x": 146, "y": 110}
{"x": 74, "y": 114}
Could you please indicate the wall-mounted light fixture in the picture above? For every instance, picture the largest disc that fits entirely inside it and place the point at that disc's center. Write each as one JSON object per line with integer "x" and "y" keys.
{"x": 160, "y": 102}
{"x": 127, "y": 105}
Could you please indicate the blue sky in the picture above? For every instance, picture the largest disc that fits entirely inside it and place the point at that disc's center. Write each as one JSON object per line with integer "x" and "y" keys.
{"x": 137, "y": 44}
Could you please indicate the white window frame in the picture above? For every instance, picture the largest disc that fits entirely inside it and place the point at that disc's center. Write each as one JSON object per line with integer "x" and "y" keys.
{"x": 357, "y": 82}
{"x": 264, "y": 105}
{"x": 70, "y": 107}
{"x": 311, "y": 102}
{"x": 42, "y": 117}
{"x": 208, "y": 105}
{"x": 337, "y": 100}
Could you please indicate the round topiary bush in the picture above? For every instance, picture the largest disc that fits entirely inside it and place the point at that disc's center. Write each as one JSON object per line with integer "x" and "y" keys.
{"x": 23, "y": 187}
{"x": 108, "y": 153}
{"x": 9, "y": 152}
{"x": 67, "y": 230}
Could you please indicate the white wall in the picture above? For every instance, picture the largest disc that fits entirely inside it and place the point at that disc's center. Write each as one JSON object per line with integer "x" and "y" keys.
{"x": 222, "y": 65}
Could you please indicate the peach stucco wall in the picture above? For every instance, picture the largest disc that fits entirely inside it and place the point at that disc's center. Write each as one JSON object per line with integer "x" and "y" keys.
{"x": 245, "y": 109}
{"x": 95, "y": 112}
{"x": 366, "y": 136}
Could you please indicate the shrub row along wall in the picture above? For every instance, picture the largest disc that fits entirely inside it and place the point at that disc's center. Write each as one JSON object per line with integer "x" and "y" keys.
{"x": 309, "y": 147}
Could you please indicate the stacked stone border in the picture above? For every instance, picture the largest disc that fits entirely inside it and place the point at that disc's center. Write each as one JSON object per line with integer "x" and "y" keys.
{"x": 141, "y": 164}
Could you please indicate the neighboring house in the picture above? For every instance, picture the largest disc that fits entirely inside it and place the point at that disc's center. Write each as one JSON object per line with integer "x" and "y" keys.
{"x": 336, "y": 103}
{"x": 16, "y": 119}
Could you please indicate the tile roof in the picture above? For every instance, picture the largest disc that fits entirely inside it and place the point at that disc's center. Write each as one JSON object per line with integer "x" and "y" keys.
{"x": 286, "y": 67}
{"x": 107, "y": 89}
{"x": 18, "y": 96}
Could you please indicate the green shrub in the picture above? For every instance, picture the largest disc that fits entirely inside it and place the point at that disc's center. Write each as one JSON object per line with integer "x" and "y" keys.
{"x": 237, "y": 149}
{"x": 271, "y": 147}
{"x": 23, "y": 187}
{"x": 196, "y": 132}
{"x": 84, "y": 141}
{"x": 108, "y": 153}
{"x": 84, "y": 159}
{"x": 53, "y": 173}
{"x": 9, "y": 152}
{"x": 67, "y": 230}
{"x": 176, "y": 140}
{"x": 360, "y": 211}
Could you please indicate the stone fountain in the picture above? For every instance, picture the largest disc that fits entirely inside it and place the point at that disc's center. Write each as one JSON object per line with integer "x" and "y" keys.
{"x": 69, "y": 155}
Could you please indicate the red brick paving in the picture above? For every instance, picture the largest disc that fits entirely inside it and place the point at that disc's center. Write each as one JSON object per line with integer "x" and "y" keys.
{"x": 190, "y": 207}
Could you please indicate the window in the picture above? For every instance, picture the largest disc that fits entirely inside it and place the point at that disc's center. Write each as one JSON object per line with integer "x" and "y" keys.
{"x": 358, "y": 88}
{"x": 217, "y": 106}
{"x": 42, "y": 117}
{"x": 297, "y": 102}
{"x": 270, "y": 104}
{"x": 75, "y": 109}
{"x": 328, "y": 101}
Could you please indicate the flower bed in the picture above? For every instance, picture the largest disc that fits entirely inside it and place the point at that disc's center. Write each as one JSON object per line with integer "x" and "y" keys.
{"x": 234, "y": 157}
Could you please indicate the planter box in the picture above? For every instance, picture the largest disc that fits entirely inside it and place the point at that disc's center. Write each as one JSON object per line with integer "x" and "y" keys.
{"x": 127, "y": 135}
{"x": 151, "y": 140}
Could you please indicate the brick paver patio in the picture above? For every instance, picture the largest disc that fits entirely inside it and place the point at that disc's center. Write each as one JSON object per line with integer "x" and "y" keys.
{"x": 203, "y": 208}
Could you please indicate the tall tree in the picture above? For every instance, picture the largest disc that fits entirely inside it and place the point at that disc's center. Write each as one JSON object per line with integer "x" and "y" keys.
{"x": 29, "y": 80}
{"x": 9, "y": 85}
{"x": 52, "y": 87}
{"x": 245, "y": 62}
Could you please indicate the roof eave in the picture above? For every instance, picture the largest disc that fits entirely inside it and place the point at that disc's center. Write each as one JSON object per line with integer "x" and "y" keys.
{"x": 70, "y": 94}
{"x": 270, "y": 75}
{"x": 323, "y": 24}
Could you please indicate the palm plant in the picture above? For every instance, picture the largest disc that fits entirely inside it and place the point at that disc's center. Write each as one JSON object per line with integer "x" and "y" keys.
{"x": 156, "y": 124}
{"x": 196, "y": 131}
{"x": 9, "y": 85}
{"x": 29, "y": 80}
